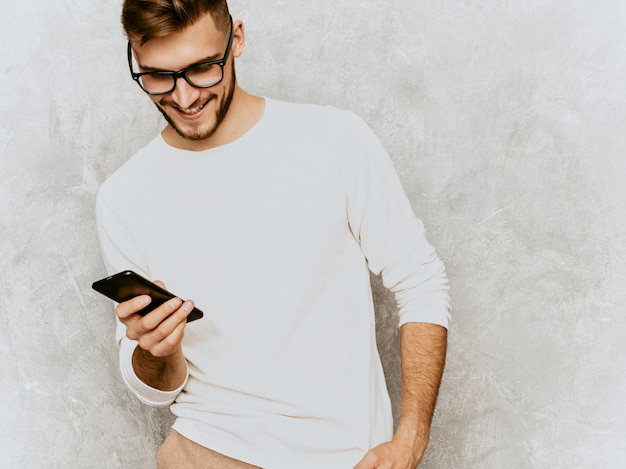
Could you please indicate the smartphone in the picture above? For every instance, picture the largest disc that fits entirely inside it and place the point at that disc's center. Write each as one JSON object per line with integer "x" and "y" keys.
{"x": 126, "y": 285}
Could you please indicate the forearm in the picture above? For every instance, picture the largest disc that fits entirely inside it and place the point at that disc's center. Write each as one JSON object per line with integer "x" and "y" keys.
{"x": 423, "y": 352}
{"x": 165, "y": 374}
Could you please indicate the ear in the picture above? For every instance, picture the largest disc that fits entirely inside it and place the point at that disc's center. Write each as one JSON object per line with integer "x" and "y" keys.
{"x": 239, "y": 38}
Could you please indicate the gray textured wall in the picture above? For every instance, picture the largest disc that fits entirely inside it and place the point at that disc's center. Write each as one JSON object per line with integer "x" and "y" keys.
{"x": 506, "y": 122}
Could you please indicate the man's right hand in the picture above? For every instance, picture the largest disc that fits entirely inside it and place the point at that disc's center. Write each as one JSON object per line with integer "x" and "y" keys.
{"x": 158, "y": 360}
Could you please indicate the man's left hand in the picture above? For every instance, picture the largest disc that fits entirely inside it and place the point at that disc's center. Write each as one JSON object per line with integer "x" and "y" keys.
{"x": 390, "y": 455}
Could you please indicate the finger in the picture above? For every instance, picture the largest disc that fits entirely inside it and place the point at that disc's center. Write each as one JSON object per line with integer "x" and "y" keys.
{"x": 163, "y": 326}
{"x": 160, "y": 284}
{"x": 137, "y": 326}
{"x": 155, "y": 317}
{"x": 126, "y": 309}
{"x": 152, "y": 332}
{"x": 170, "y": 343}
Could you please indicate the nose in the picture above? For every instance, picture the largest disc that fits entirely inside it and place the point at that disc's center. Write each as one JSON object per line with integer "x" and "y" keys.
{"x": 184, "y": 95}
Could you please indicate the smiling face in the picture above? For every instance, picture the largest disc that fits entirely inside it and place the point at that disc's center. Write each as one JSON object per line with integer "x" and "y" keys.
{"x": 194, "y": 114}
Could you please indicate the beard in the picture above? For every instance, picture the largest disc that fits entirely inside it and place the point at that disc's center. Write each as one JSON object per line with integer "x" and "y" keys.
{"x": 220, "y": 113}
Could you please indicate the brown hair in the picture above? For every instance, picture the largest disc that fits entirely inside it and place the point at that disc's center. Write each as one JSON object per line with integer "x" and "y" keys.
{"x": 148, "y": 19}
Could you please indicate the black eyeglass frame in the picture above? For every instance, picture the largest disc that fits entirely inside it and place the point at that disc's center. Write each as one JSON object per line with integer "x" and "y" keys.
{"x": 182, "y": 73}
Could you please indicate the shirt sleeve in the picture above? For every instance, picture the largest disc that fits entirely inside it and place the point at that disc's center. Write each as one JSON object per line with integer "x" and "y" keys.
{"x": 121, "y": 250}
{"x": 392, "y": 238}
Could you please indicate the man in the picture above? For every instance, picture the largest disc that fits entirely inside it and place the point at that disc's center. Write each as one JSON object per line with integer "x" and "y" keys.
{"x": 268, "y": 215}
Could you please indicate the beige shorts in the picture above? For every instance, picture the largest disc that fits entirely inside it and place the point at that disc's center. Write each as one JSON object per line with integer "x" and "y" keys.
{"x": 178, "y": 452}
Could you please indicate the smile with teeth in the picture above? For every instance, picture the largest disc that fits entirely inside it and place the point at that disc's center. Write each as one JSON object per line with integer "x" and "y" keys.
{"x": 192, "y": 111}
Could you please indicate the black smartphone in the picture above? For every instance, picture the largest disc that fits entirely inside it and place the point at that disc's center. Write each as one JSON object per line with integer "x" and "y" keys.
{"x": 126, "y": 285}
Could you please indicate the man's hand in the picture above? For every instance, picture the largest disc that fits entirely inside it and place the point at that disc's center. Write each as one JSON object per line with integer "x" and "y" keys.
{"x": 392, "y": 455}
{"x": 158, "y": 360}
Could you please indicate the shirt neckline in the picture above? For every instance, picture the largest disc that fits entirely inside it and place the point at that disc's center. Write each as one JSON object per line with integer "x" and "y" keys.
{"x": 250, "y": 132}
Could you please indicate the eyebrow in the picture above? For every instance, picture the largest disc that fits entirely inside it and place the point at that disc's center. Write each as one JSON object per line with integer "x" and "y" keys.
{"x": 210, "y": 58}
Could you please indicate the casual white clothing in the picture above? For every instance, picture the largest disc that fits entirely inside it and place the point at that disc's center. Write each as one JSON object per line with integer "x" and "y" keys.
{"x": 272, "y": 236}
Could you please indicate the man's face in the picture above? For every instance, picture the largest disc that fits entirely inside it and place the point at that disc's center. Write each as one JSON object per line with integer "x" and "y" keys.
{"x": 194, "y": 113}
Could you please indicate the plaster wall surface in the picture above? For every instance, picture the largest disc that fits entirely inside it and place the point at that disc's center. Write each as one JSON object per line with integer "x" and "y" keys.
{"x": 506, "y": 123}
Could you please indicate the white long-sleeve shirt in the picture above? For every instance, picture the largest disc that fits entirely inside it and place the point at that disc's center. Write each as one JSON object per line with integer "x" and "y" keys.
{"x": 272, "y": 236}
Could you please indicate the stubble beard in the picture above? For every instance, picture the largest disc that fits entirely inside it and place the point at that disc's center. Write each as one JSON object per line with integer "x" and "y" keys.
{"x": 220, "y": 115}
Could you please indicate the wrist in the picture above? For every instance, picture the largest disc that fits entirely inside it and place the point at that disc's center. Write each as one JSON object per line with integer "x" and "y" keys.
{"x": 163, "y": 373}
{"x": 413, "y": 433}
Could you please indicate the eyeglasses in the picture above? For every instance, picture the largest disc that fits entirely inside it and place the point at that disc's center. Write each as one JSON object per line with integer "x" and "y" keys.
{"x": 202, "y": 75}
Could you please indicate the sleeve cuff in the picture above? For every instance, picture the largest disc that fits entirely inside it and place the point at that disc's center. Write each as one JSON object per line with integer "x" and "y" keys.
{"x": 146, "y": 394}
{"x": 442, "y": 319}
